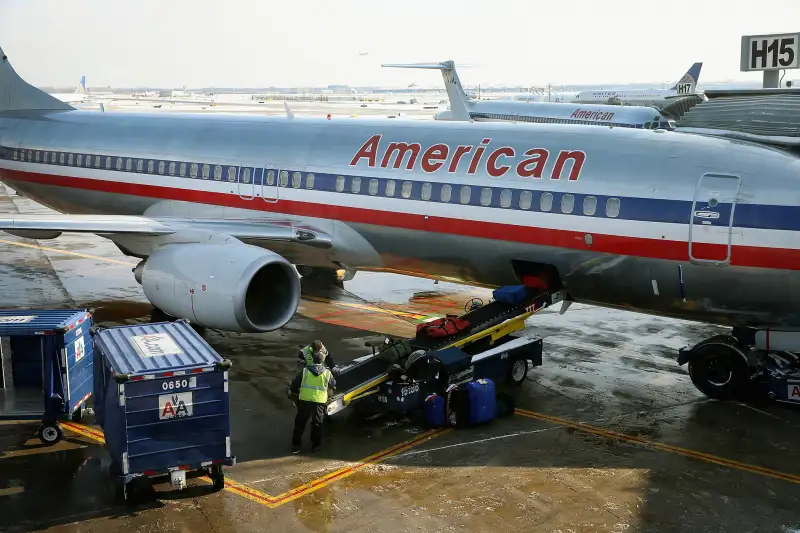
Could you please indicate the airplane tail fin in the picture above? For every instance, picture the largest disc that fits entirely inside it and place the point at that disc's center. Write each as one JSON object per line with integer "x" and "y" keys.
{"x": 455, "y": 92}
{"x": 81, "y": 88}
{"x": 688, "y": 83}
{"x": 16, "y": 94}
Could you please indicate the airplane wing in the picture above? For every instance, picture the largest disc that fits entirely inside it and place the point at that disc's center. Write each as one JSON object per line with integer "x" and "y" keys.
{"x": 243, "y": 229}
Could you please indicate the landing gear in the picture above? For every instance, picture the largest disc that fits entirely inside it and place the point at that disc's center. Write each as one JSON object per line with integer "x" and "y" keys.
{"x": 719, "y": 367}
{"x": 326, "y": 276}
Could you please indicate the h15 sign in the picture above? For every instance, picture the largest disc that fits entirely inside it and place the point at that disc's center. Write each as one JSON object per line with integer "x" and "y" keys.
{"x": 770, "y": 52}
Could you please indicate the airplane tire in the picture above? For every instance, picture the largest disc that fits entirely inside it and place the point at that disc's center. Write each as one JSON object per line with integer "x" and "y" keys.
{"x": 719, "y": 372}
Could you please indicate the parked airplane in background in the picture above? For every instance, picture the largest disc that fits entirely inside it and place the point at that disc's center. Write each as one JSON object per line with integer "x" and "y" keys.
{"x": 686, "y": 85}
{"x": 463, "y": 108}
{"x": 220, "y": 208}
{"x": 78, "y": 95}
{"x": 144, "y": 94}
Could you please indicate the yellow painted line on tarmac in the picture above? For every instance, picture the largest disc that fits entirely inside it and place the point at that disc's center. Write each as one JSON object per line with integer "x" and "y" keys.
{"x": 367, "y": 307}
{"x": 694, "y": 454}
{"x": 67, "y": 252}
{"x": 274, "y": 501}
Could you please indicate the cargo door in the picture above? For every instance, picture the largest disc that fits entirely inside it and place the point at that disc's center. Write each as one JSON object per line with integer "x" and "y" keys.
{"x": 711, "y": 219}
{"x": 78, "y": 372}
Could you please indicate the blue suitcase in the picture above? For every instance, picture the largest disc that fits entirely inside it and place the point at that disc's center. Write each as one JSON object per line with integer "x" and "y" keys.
{"x": 435, "y": 411}
{"x": 481, "y": 401}
{"x": 512, "y": 294}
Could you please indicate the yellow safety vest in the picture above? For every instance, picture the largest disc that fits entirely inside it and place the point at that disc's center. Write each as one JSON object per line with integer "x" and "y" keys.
{"x": 315, "y": 388}
{"x": 308, "y": 354}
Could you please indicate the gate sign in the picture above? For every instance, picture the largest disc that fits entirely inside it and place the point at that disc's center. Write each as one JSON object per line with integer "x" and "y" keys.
{"x": 155, "y": 344}
{"x": 176, "y": 405}
{"x": 770, "y": 52}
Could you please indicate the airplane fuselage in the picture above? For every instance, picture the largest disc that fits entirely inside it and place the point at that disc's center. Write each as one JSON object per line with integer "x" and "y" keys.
{"x": 659, "y": 222}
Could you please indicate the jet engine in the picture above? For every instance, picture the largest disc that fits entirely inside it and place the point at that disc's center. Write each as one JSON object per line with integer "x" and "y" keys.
{"x": 232, "y": 287}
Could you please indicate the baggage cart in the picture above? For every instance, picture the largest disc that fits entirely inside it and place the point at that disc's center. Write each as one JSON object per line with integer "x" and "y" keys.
{"x": 162, "y": 399}
{"x": 46, "y": 366}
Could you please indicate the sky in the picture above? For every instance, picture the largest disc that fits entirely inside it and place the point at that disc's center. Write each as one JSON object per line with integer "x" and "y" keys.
{"x": 305, "y": 43}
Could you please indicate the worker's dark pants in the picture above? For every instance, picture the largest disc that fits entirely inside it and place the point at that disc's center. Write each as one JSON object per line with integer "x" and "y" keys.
{"x": 316, "y": 411}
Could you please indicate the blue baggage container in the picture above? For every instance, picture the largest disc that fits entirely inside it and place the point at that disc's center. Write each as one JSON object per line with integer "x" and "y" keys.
{"x": 48, "y": 373}
{"x": 481, "y": 402}
{"x": 162, "y": 400}
{"x": 512, "y": 294}
{"x": 435, "y": 411}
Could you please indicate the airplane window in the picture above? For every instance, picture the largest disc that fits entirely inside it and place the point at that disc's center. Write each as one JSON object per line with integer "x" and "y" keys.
{"x": 246, "y": 175}
{"x": 283, "y": 178}
{"x": 172, "y": 168}
{"x": 108, "y": 163}
{"x": 61, "y": 158}
{"x": 612, "y": 207}
{"x": 406, "y": 190}
{"x": 445, "y": 193}
{"x": 505, "y": 198}
{"x": 270, "y": 177}
{"x": 310, "y": 182}
{"x": 206, "y": 171}
{"x": 79, "y": 161}
{"x": 150, "y": 166}
{"x": 44, "y": 157}
{"x": 373, "y": 186}
{"x": 589, "y": 205}
{"x": 119, "y": 163}
{"x": 231, "y": 173}
{"x": 38, "y": 156}
{"x": 567, "y": 203}
{"x": 14, "y": 155}
{"x": 53, "y": 158}
{"x": 217, "y": 172}
{"x": 525, "y": 199}
{"x": 129, "y": 164}
{"x": 355, "y": 185}
{"x": 193, "y": 170}
{"x": 88, "y": 161}
{"x": 183, "y": 169}
{"x": 486, "y": 196}
{"x": 297, "y": 179}
{"x": 139, "y": 165}
{"x": 339, "y": 183}
{"x": 30, "y": 155}
{"x": 97, "y": 162}
{"x": 390, "y": 185}
{"x": 69, "y": 159}
{"x": 466, "y": 193}
{"x": 426, "y": 191}
{"x": 160, "y": 167}
{"x": 546, "y": 201}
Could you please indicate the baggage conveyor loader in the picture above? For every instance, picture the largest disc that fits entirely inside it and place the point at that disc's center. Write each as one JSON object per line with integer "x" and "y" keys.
{"x": 489, "y": 325}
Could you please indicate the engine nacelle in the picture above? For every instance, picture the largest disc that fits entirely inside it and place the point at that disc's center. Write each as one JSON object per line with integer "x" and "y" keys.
{"x": 232, "y": 287}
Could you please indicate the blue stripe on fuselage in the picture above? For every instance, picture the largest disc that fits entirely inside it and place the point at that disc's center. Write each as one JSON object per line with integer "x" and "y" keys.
{"x": 776, "y": 217}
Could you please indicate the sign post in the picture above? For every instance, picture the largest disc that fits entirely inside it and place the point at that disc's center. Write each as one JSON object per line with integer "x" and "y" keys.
{"x": 770, "y": 54}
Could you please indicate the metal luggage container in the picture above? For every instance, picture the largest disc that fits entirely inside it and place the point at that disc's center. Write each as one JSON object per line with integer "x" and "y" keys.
{"x": 162, "y": 400}
{"x": 46, "y": 366}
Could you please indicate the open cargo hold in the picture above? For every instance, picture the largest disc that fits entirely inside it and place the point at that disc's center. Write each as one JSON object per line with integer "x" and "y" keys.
{"x": 46, "y": 366}
{"x": 162, "y": 400}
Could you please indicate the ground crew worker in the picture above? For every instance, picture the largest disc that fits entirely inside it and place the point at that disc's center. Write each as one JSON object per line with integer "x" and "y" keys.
{"x": 305, "y": 357}
{"x": 310, "y": 386}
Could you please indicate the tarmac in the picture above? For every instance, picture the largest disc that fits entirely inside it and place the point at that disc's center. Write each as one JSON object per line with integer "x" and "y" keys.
{"x": 610, "y": 435}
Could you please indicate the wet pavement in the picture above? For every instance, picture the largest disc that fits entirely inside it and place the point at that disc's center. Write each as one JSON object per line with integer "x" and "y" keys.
{"x": 609, "y": 435}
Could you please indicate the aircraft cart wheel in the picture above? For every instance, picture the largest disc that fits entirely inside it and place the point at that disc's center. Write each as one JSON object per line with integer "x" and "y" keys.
{"x": 518, "y": 371}
{"x": 50, "y": 433}
{"x": 719, "y": 372}
{"x": 217, "y": 476}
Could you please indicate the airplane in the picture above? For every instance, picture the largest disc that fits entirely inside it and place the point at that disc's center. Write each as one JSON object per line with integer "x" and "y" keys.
{"x": 685, "y": 86}
{"x": 78, "y": 95}
{"x": 463, "y": 108}
{"x": 223, "y": 211}
{"x": 144, "y": 94}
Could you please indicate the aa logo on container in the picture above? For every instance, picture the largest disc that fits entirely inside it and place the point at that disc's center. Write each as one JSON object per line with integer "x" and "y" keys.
{"x": 176, "y": 405}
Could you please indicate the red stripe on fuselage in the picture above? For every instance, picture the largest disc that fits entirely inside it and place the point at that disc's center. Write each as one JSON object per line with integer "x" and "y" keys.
{"x": 746, "y": 256}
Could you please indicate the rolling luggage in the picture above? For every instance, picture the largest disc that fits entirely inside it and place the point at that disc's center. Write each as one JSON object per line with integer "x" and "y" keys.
{"x": 512, "y": 295}
{"x": 443, "y": 327}
{"x": 435, "y": 411}
{"x": 478, "y": 402}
